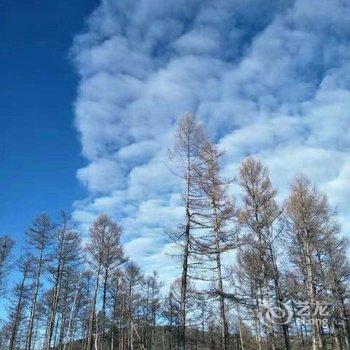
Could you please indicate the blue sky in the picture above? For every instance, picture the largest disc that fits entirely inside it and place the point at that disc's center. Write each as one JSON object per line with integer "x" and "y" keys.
{"x": 266, "y": 78}
{"x": 39, "y": 148}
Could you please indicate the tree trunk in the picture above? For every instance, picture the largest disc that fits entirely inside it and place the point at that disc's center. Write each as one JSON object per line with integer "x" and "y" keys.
{"x": 257, "y": 327}
{"x": 224, "y": 330}
{"x": 184, "y": 278}
{"x": 93, "y": 311}
{"x": 17, "y": 313}
{"x": 53, "y": 310}
{"x": 71, "y": 315}
{"x": 29, "y": 340}
{"x": 316, "y": 341}
{"x": 104, "y": 299}
{"x": 279, "y": 298}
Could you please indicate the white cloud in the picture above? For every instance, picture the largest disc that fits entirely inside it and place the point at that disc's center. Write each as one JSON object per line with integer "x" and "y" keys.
{"x": 270, "y": 78}
{"x": 103, "y": 175}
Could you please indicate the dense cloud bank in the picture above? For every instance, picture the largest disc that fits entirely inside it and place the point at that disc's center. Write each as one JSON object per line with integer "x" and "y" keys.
{"x": 269, "y": 78}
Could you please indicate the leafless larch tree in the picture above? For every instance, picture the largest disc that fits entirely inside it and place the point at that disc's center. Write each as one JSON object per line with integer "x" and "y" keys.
{"x": 257, "y": 270}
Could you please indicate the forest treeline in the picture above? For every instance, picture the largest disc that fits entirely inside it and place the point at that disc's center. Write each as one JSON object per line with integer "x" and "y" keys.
{"x": 254, "y": 274}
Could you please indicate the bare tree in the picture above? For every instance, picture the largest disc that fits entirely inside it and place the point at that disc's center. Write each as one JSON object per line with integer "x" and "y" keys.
{"x": 152, "y": 303}
{"x": 259, "y": 215}
{"x": 106, "y": 301}
{"x": 65, "y": 256}
{"x": 106, "y": 255}
{"x": 171, "y": 311}
{"x": 189, "y": 138}
{"x": 310, "y": 224}
{"x": 337, "y": 274}
{"x": 216, "y": 215}
{"x": 6, "y": 245}
{"x": 19, "y": 300}
{"x": 39, "y": 237}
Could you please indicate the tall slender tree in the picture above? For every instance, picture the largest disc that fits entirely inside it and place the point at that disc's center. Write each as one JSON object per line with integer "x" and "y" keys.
{"x": 19, "y": 300}
{"x": 216, "y": 215}
{"x": 312, "y": 228}
{"x": 6, "y": 246}
{"x": 189, "y": 138}
{"x": 65, "y": 256}
{"x": 106, "y": 255}
{"x": 39, "y": 237}
{"x": 337, "y": 274}
{"x": 259, "y": 215}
